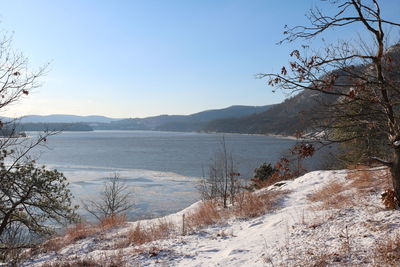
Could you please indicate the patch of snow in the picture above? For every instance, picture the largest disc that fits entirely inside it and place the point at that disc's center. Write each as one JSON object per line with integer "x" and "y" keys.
{"x": 272, "y": 239}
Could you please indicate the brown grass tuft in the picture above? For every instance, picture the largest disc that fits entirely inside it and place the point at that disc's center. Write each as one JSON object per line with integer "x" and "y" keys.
{"x": 206, "y": 214}
{"x": 249, "y": 205}
{"x": 140, "y": 235}
{"x": 111, "y": 222}
{"x": 81, "y": 231}
{"x": 246, "y": 205}
{"x": 366, "y": 180}
{"x": 162, "y": 229}
{"x": 331, "y": 196}
{"x": 72, "y": 234}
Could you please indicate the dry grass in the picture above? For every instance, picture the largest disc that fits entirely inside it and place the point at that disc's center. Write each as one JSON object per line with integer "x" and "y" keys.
{"x": 162, "y": 229}
{"x": 81, "y": 231}
{"x": 332, "y": 196}
{"x": 139, "y": 234}
{"x": 366, "y": 180}
{"x": 72, "y": 234}
{"x": 361, "y": 181}
{"x": 249, "y": 205}
{"x": 206, "y": 214}
{"x": 111, "y": 222}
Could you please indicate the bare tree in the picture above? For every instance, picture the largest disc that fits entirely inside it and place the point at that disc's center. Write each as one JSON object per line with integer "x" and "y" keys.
{"x": 16, "y": 79}
{"x": 357, "y": 82}
{"x": 115, "y": 199}
{"x": 33, "y": 200}
{"x": 222, "y": 181}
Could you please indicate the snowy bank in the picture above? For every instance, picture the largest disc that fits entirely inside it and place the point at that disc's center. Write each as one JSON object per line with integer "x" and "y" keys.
{"x": 303, "y": 230}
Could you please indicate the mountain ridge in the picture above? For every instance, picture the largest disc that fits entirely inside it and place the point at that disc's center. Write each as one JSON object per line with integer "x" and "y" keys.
{"x": 65, "y": 118}
{"x": 192, "y": 122}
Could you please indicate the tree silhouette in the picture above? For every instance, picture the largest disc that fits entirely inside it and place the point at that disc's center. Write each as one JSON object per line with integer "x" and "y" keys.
{"x": 357, "y": 82}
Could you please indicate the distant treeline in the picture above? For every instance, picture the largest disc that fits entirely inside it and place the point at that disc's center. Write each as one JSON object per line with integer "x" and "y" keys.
{"x": 15, "y": 129}
{"x": 53, "y": 127}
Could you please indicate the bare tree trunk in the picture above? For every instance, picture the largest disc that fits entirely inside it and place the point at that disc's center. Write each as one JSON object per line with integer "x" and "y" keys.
{"x": 395, "y": 170}
{"x": 226, "y": 176}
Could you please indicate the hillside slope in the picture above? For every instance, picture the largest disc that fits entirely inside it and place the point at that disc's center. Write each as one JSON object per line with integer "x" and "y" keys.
{"x": 330, "y": 218}
{"x": 197, "y": 121}
{"x": 293, "y": 114}
{"x": 185, "y": 123}
{"x": 296, "y": 113}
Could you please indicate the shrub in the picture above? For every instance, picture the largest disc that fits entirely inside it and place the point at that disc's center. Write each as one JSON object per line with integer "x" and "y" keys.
{"x": 113, "y": 201}
{"x": 222, "y": 181}
{"x": 261, "y": 174}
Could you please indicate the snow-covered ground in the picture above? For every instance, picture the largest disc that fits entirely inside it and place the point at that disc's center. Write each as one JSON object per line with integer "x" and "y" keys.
{"x": 299, "y": 232}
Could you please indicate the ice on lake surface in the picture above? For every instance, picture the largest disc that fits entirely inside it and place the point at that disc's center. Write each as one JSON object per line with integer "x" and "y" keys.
{"x": 162, "y": 167}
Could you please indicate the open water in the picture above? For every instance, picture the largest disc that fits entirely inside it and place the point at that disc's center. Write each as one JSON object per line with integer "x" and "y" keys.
{"x": 162, "y": 168}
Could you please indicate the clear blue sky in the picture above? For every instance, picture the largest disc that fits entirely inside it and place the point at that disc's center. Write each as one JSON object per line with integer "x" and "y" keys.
{"x": 142, "y": 58}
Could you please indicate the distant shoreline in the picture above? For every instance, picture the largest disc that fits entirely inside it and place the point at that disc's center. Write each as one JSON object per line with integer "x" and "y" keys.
{"x": 289, "y": 137}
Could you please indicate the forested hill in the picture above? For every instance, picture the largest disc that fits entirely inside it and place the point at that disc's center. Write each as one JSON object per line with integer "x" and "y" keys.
{"x": 198, "y": 121}
{"x": 192, "y": 122}
{"x": 294, "y": 114}
{"x": 73, "y": 127}
{"x": 186, "y": 123}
